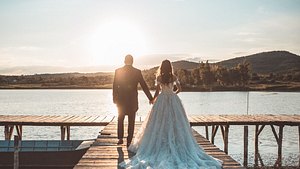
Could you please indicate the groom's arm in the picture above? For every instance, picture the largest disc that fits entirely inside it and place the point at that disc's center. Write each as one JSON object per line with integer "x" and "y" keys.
{"x": 144, "y": 86}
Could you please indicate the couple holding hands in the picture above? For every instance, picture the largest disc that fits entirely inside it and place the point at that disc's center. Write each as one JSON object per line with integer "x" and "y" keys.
{"x": 165, "y": 139}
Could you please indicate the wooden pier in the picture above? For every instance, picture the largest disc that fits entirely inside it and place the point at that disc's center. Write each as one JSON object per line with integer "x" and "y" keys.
{"x": 107, "y": 139}
{"x": 259, "y": 121}
{"x": 65, "y": 122}
{"x": 106, "y": 154}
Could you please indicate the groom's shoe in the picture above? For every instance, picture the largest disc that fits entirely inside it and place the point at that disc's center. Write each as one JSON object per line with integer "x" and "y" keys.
{"x": 120, "y": 141}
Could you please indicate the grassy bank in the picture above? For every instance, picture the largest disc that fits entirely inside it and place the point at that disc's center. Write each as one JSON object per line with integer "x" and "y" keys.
{"x": 285, "y": 87}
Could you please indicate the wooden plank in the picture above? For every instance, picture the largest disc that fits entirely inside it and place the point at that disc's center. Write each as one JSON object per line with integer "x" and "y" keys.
{"x": 105, "y": 153}
{"x": 76, "y": 119}
{"x": 66, "y": 118}
{"x": 50, "y": 119}
{"x": 108, "y": 119}
{"x": 99, "y": 119}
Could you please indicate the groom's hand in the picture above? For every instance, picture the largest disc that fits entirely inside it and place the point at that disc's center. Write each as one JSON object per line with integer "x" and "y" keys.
{"x": 151, "y": 101}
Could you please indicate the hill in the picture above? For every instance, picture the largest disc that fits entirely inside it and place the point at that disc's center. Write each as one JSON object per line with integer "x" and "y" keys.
{"x": 185, "y": 65}
{"x": 268, "y": 62}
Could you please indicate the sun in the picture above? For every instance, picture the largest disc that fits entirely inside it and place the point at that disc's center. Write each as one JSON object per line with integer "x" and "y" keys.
{"x": 113, "y": 40}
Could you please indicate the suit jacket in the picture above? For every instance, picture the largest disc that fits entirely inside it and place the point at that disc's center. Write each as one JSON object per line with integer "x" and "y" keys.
{"x": 125, "y": 93}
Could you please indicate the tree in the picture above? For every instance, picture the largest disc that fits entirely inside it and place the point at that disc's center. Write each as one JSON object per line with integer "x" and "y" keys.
{"x": 195, "y": 75}
{"x": 243, "y": 69}
{"x": 182, "y": 75}
{"x": 206, "y": 74}
{"x": 222, "y": 76}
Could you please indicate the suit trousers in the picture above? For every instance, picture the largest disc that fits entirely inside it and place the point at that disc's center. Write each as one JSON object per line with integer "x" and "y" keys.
{"x": 131, "y": 122}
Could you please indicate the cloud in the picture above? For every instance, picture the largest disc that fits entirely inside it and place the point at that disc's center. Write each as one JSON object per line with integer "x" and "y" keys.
{"x": 29, "y": 48}
{"x": 247, "y": 33}
{"x": 275, "y": 32}
{"x": 20, "y": 48}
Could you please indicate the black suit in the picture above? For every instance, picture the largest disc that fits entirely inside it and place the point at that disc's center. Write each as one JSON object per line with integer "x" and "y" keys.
{"x": 125, "y": 95}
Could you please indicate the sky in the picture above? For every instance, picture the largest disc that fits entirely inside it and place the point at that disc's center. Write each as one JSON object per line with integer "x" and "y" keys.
{"x": 45, "y": 36}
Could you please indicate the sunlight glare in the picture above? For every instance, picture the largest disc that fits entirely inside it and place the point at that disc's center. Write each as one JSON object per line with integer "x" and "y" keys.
{"x": 113, "y": 40}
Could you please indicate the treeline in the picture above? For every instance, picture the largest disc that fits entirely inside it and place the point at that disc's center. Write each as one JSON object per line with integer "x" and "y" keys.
{"x": 272, "y": 78}
{"x": 208, "y": 75}
{"x": 59, "y": 80}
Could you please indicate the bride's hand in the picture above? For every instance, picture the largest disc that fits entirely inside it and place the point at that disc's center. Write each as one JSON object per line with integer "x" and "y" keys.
{"x": 152, "y": 101}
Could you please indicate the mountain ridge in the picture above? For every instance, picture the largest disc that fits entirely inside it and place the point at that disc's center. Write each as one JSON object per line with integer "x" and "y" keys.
{"x": 263, "y": 63}
{"x": 268, "y": 62}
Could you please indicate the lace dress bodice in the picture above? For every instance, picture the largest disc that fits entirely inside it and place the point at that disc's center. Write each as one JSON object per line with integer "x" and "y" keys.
{"x": 167, "y": 88}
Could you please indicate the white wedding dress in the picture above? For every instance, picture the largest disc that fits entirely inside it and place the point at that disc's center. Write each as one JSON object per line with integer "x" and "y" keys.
{"x": 165, "y": 139}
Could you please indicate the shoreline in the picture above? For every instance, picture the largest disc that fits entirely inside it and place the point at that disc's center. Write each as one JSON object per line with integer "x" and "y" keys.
{"x": 188, "y": 89}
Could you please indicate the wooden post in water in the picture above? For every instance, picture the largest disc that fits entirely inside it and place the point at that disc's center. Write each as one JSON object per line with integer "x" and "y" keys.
{"x": 280, "y": 146}
{"x": 212, "y": 139}
{"x": 19, "y": 131}
{"x": 256, "y": 152}
{"x": 68, "y": 132}
{"x": 8, "y": 131}
{"x": 213, "y": 133}
{"x": 225, "y": 137}
{"x": 62, "y": 132}
{"x": 206, "y": 132}
{"x": 278, "y": 138}
{"x": 245, "y": 146}
{"x": 16, "y": 152}
{"x": 256, "y": 146}
{"x": 299, "y": 143}
{"x": 65, "y": 132}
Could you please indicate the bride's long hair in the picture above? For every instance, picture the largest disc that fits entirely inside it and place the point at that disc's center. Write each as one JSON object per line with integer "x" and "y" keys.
{"x": 165, "y": 71}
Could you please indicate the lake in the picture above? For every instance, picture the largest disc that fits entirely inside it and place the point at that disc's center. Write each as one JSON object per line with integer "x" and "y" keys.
{"x": 99, "y": 102}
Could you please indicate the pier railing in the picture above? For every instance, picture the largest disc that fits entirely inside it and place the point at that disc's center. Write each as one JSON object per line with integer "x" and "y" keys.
{"x": 222, "y": 122}
{"x": 259, "y": 121}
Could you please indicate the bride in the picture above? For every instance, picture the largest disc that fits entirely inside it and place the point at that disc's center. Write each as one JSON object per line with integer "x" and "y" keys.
{"x": 165, "y": 139}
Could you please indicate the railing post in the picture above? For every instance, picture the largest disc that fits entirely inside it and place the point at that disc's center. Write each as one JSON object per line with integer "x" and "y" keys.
{"x": 16, "y": 152}
{"x": 245, "y": 146}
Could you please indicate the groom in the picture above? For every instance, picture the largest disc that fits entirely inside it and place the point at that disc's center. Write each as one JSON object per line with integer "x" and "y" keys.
{"x": 125, "y": 96}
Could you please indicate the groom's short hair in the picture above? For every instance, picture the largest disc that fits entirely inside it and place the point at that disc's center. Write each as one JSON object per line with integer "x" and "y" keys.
{"x": 128, "y": 60}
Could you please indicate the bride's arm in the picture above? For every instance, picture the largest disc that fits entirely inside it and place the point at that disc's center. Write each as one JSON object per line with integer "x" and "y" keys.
{"x": 156, "y": 91}
{"x": 178, "y": 86}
